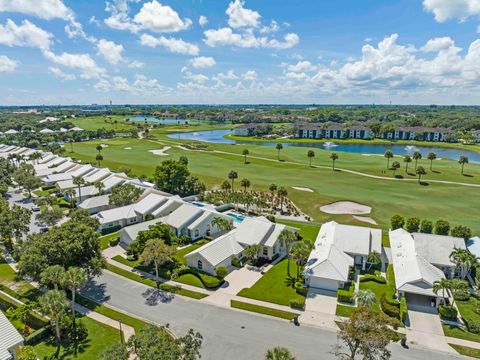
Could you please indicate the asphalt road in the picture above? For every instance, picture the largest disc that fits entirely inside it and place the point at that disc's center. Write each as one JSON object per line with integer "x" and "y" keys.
{"x": 227, "y": 334}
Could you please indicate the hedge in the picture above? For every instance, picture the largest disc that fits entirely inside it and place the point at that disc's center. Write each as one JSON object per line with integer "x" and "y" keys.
{"x": 448, "y": 312}
{"x": 114, "y": 242}
{"x": 295, "y": 304}
{"x": 346, "y": 296}
{"x": 391, "y": 276}
{"x": 374, "y": 278}
{"x": 300, "y": 289}
{"x": 209, "y": 281}
{"x": 110, "y": 230}
{"x": 389, "y": 307}
{"x": 37, "y": 336}
{"x": 461, "y": 295}
{"x": 35, "y": 321}
{"x": 403, "y": 309}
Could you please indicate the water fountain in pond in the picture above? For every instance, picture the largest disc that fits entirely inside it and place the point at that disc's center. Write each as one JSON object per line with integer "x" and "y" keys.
{"x": 329, "y": 144}
{"x": 410, "y": 149}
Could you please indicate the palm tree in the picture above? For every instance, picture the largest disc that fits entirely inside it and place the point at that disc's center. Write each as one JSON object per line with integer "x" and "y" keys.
{"x": 279, "y": 353}
{"x": 374, "y": 258}
{"x": 287, "y": 238}
{"x": 232, "y": 175}
{"x": 79, "y": 181}
{"x": 333, "y": 157}
{"x": 395, "y": 167}
{"x": 279, "y": 147}
{"x": 416, "y": 156}
{"x": 158, "y": 253}
{"x": 442, "y": 284}
{"x": 300, "y": 252}
{"x": 253, "y": 251}
{"x": 282, "y": 193}
{"x": 388, "y": 154}
{"x": 99, "y": 149}
{"x": 73, "y": 279}
{"x": 464, "y": 261}
{"x": 245, "y": 183}
{"x": 100, "y": 186}
{"x": 245, "y": 152}
{"x": 71, "y": 141}
{"x": 226, "y": 185}
{"x": 53, "y": 304}
{"x": 52, "y": 276}
{"x": 70, "y": 193}
{"x": 273, "y": 189}
{"x": 407, "y": 160}
{"x": 311, "y": 155}
{"x": 420, "y": 171}
{"x": 462, "y": 161}
{"x": 431, "y": 156}
{"x": 99, "y": 158}
{"x": 365, "y": 297}
{"x": 222, "y": 224}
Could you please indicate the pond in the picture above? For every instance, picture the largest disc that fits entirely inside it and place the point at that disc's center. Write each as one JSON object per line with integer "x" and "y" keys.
{"x": 217, "y": 136}
{"x": 164, "y": 121}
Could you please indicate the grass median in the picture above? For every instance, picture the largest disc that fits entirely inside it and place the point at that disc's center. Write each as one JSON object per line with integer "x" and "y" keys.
{"x": 263, "y": 310}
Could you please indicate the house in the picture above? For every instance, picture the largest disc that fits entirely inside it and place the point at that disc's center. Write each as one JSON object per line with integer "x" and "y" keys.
{"x": 337, "y": 248}
{"x": 420, "y": 133}
{"x": 46, "y": 131}
{"x": 10, "y": 339}
{"x": 476, "y": 135}
{"x": 359, "y": 132}
{"x": 252, "y": 231}
{"x": 319, "y": 131}
{"x": 11, "y": 132}
{"x": 419, "y": 260}
{"x": 96, "y": 204}
{"x": 66, "y": 166}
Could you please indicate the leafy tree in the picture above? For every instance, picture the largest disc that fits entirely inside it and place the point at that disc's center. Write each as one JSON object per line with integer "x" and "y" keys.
{"x": 27, "y": 353}
{"x": 53, "y": 303}
{"x": 395, "y": 167}
{"x": 388, "y": 154}
{"x": 413, "y": 224}
{"x": 282, "y": 194}
{"x": 462, "y": 161}
{"x": 100, "y": 186}
{"x": 22, "y": 313}
{"x": 442, "y": 227}
{"x": 158, "y": 253}
{"x": 245, "y": 152}
{"x": 461, "y": 231}
{"x": 279, "y": 147}
{"x": 426, "y": 226}
{"x": 365, "y": 297}
{"x": 333, "y": 157}
{"x": 117, "y": 351}
{"x": 310, "y": 155}
{"x": 183, "y": 159}
{"x": 226, "y": 185}
{"x": 420, "y": 171}
{"x": 52, "y": 276}
{"x": 232, "y": 175}
{"x": 431, "y": 156}
{"x": 245, "y": 183}
{"x": 50, "y": 216}
{"x": 190, "y": 345}
{"x": 397, "y": 222}
{"x": 221, "y": 271}
{"x": 407, "y": 160}
{"x": 83, "y": 216}
{"x": 14, "y": 222}
{"x": 366, "y": 334}
{"x": 171, "y": 176}
{"x": 27, "y": 180}
{"x": 124, "y": 194}
{"x": 156, "y": 231}
{"x": 279, "y": 353}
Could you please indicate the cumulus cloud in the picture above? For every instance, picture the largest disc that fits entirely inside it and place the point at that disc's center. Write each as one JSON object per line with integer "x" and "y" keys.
{"x": 60, "y": 74}
{"x": 171, "y": 44}
{"x": 135, "y": 64}
{"x": 302, "y": 66}
{"x": 82, "y": 62}
{"x": 43, "y": 9}
{"x": 7, "y": 64}
{"x": 438, "y": 44}
{"x": 110, "y": 51}
{"x": 450, "y": 9}
{"x": 25, "y": 35}
{"x": 199, "y": 78}
{"x": 202, "y": 20}
{"x": 226, "y": 36}
{"x": 160, "y": 18}
{"x": 229, "y": 75}
{"x": 250, "y": 75}
{"x": 273, "y": 27}
{"x": 239, "y": 16}
{"x": 202, "y": 62}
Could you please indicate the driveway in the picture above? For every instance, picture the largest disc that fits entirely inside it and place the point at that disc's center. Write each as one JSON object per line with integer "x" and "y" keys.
{"x": 322, "y": 301}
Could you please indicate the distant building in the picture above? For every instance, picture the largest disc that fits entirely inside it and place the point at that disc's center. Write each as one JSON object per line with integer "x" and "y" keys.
{"x": 476, "y": 134}
{"x": 318, "y": 131}
{"x": 420, "y": 133}
{"x": 248, "y": 129}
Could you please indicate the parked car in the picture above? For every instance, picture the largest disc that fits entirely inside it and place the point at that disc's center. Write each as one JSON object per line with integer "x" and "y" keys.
{"x": 43, "y": 229}
{"x": 35, "y": 208}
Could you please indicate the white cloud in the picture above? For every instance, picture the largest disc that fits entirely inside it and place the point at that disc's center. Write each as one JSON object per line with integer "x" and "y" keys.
{"x": 160, "y": 18}
{"x": 273, "y": 27}
{"x": 43, "y": 9}
{"x": 202, "y": 62}
{"x": 110, "y": 51}
{"x": 171, "y": 44}
{"x": 250, "y": 75}
{"x": 478, "y": 29}
{"x": 302, "y": 66}
{"x": 239, "y": 17}
{"x": 135, "y": 64}
{"x": 449, "y": 9}
{"x": 119, "y": 19}
{"x": 226, "y": 36}
{"x": 82, "y": 62}
{"x": 200, "y": 78}
{"x": 60, "y": 74}
{"x": 230, "y": 75}
{"x": 438, "y": 44}
{"x": 25, "y": 35}
{"x": 202, "y": 20}
{"x": 7, "y": 64}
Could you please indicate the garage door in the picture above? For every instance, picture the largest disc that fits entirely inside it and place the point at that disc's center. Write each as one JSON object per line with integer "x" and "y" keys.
{"x": 322, "y": 283}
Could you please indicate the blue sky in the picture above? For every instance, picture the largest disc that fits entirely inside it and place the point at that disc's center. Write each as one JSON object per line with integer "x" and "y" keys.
{"x": 235, "y": 51}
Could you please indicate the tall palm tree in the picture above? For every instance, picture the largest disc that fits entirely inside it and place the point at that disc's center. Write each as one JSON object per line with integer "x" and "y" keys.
{"x": 99, "y": 158}
{"x": 282, "y": 193}
{"x": 279, "y": 147}
{"x": 407, "y": 160}
{"x": 333, "y": 157}
{"x": 79, "y": 181}
{"x": 100, "y": 186}
{"x": 443, "y": 285}
{"x": 232, "y": 175}
{"x": 52, "y": 276}
{"x": 311, "y": 155}
{"x": 431, "y": 156}
{"x": 395, "y": 167}
{"x": 226, "y": 185}
{"x": 73, "y": 279}
{"x": 222, "y": 224}
{"x": 245, "y": 183}
{"x": 279, "y": 353}
{"x": 287, "y": 238}
{"x": 416, "y": 156}
{"x": 273, "y": 189}
{"x": 71, "y": 141}
{"x": 99, "y": 149}
{"x": 70, "y": 193}
{"x": 53, "y": 303}
{"x": 365, "y": 297}
{"x": 420, "y": 171}
{"x": 245, "y": 152}
{"x": 462, "y": 161}
{"x": 464, "y": 260}
{"x": 300, "y": 252}
{"x": 253, "y": 251}
{"x": 388, "y": 154}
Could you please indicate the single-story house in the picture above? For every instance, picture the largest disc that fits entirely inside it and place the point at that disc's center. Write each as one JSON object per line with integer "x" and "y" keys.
{"x": 96, "y": 204}
{"x": 46, "y": 131}
{"x": 252, "y": 231}
{"x": 66, "y": 166}
{"x": 337, "y": 248}
{"x": 473, "y": 245}
{"x": 97, "y": 176}
{"x": 10, "y": 339}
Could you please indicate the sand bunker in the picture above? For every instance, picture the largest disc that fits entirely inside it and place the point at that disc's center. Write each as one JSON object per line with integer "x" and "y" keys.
{"x": 365, "y": 219}
{"x": 160, "y": 152}
{"x": 346, "y": 207}
{"x": 299, "y": 188}
{"x": 128, "y": 148}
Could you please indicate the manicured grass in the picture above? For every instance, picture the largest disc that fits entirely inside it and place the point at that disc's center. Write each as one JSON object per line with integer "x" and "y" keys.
{"x": 274, "y": 286}
{"x": 463, "y": 350}
{"x": 307, "y": 230}
{"x": 105, "y": 240}
{"x": 456, "y": 332}
{"x": 98, "y": 122}
{"x": 385, "y": 239}
{"x": 180, "y": 254}
{"x": 344, "y": 310}
{"x": 10, "y": 279}
{"x": 136, "y": 264}
{"x": 467, "y": 311}
{"x": 100, "y": 337}
{"x": 151, "y": 283}
{"x": 378, "y": 290}
{"x": 190, "y": 279}
{"x": 263, "y": 310}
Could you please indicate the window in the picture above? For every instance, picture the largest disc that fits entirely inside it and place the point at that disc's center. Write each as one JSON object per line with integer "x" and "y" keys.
{"x": 265, "y": 251}
{"x": 197, "y": 232}
{"x": 199, "y": 265}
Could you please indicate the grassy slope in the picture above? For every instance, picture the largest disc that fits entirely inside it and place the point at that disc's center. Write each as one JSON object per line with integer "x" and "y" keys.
{"x": 475, "y": 353}
{"x": 262, "y": 310}
{"x": 451, "y": 202}
{"x": 467, "y": 310}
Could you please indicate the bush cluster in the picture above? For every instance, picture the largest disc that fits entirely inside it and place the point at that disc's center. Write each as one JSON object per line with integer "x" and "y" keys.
{"x": 390, "y": 307}
{"x": 448, "y": 312}
{"x": 209, "y": 281}
{"x": 110, "y": 230}
{"x": 403, "y": 309}
{"x": 300, "y": 289}
{"x": 461, "y": 295}
{"x": 346, "y": 295}
{"x": 295, "y": 304}
{"x": 236, "y": 262}
{"x": 374, "y": 278}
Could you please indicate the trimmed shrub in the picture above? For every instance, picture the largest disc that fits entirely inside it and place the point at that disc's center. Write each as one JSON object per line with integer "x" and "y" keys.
{"x": 37, "y": 336}
{"x": 448, "y": 312}
{"x": 207, "y": 280}
{"x": 391, "y": 276}
{"x": 374, "y": 278}
{"x": 351, "y": 274}
{"x": 236, "y": 262}
{"x": 473, "y": 326}
{"x": 110, "y": 230}
{"x": 461, "y": 295}
{"x": 300, "y": 289}
{"x": 221, "y": 272}
{"x": 149, "y": 217}
{"x": 114, "y": 242}
{"x": 297, "y": 305}
{"x": 403, "y": 309}
{"x": 345, "y": 296}
{"x": 389, "y": 308}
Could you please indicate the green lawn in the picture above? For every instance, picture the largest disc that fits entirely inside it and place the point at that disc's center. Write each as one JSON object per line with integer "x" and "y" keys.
{"x": 11, "y": 280}
{"x": 273, "y": 286}
{"x": 467, "y": 310}
{"x": 308, "y": 230}
{"x": 100, "y": 336}
{"x": 386, "y": 197}
{"x": 378, "y": 290}
{"x": 344, "y": 310}
{"x": 262, "y": 310}
{"x": 475, "y": 353}
{"x": 105, "y": 240}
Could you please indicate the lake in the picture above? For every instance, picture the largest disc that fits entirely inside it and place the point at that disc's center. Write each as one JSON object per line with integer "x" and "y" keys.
{"x": 217, "y": 136}
{"x": 164, "y": 121}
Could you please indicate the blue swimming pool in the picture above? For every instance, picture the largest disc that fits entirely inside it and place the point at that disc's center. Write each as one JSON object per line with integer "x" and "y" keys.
{"x": 236, "y": 217}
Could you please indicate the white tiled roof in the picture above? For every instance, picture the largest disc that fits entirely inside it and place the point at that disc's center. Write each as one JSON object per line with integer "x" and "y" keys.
{"x": 95, "y": 202}
{"x": 97, "y": 176}
{"x": 219, "y": 249}
{"x": 9, "y": 337}
{"x": 149, "y": 203}
{"x": 112, "y": 181}
{"x": 436, "y": 249}
{"x": 182, "y": 216}
{"x": 254, "y": 231}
